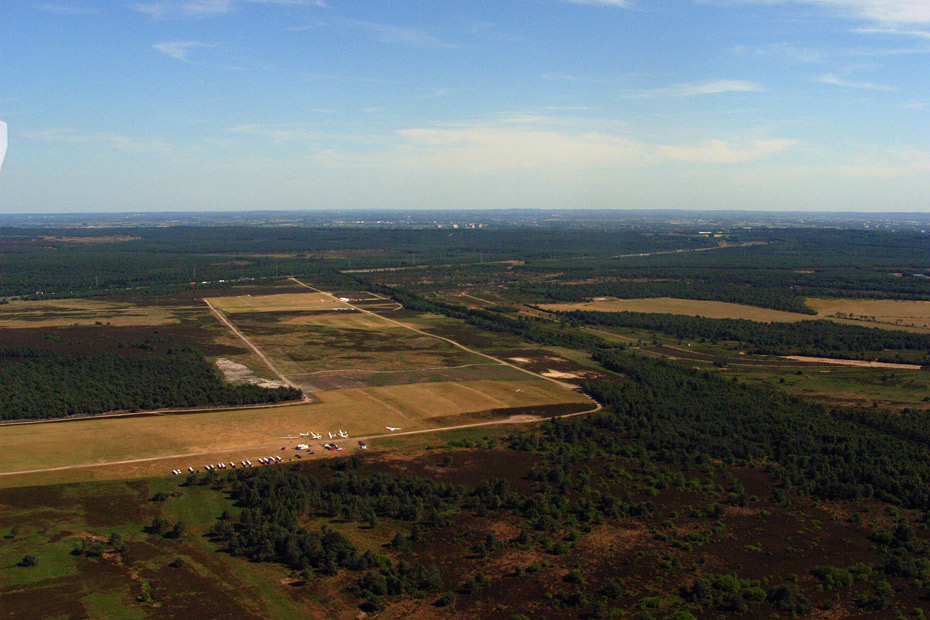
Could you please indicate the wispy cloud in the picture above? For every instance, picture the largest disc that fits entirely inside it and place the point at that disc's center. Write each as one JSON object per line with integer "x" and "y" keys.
{"x": 116, "y": 141}
{"x": 279, "y": 133}
{"x": 184, "y": 10}
{"x": 891, "y": 165}
{"x": 618, "y": 3}
{"x": 199, "y": 9}
{"x": 695, "y": 89}
{"x": 902, "y": 17}
{"x": 791, "y": 51}
{"x": 61, "y": 8}
{"x": 884, "y": 11}
{"x": 835, "y": 80}
{"x": 568, "y": 77}
{"x": 396, "y": 35}
{"x": 179, "y": 49}
{"x": 497, "y": 149}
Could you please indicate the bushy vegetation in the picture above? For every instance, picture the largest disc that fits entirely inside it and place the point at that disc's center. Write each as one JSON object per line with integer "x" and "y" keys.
{"x": 815, "y": 338}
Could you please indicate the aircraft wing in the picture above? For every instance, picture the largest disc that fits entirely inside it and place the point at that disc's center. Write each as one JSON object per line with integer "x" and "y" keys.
{"x": 2, "y": 142}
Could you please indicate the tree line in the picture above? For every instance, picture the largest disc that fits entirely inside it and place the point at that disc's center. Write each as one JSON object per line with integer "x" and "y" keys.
{"x": 43, "y": 384}
{"x": 819, "y": 338}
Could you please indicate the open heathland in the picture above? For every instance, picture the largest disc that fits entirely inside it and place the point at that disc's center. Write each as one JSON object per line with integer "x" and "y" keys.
{"x": 701, "y": 475}
{"x": 66, "y": 312}
{"x": 888, "y": 313}
{"x": 687, "y": 307}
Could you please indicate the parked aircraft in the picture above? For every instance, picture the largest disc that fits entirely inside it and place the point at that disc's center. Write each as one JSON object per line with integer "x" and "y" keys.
{"x": 392, "y": 428}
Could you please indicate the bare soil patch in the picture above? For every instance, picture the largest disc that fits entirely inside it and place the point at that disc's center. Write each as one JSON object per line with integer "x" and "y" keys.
{"x": 240, "y": 373}
{"x": 858, "y": 363}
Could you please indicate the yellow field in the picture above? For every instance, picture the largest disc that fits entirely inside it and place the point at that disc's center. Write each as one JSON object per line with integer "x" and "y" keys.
{"x": 249, "y": 433}
{"x": 343, "y": 320}
{"x": 886, "y": 313}
{"x": 20, "y": 314}
{"x": 687, "y": 307}
{"x": 284, "y": 302}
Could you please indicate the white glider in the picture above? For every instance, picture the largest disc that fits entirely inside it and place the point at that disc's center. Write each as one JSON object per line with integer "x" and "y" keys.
{"x": 2, "y": 142}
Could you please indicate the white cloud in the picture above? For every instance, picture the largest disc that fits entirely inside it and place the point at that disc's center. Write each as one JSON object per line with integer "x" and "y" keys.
{"x": 885, "y": 11}
{"x": 116, "y": 141}
{"x": 835, "y": 80}
{"x": 903, "y": 17}
{"x": 178, "y": 49}
{"x": 694, "y": 89}
{"x": 498, "y": 149}
{"x": 893, "y": 165}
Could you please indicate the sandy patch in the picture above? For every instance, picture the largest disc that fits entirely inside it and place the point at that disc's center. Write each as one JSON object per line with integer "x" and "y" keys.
{"x": 234, "y": 372}
{"x": 860, "y": 363}
{"x": 558, "y": 374}
{"x": 520, "y": 360}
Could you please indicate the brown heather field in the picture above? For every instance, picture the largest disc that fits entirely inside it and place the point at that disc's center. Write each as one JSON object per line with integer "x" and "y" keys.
{"x": 19, "y": 314}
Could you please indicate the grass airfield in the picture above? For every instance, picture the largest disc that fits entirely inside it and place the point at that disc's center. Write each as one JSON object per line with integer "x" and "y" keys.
{"x": 378, "y": 374}
{"x": 98, "y": 449}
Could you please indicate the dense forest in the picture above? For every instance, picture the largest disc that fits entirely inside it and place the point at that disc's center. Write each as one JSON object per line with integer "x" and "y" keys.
{"x": 67, "y": 262}
{"x": 663, "y": 424}
{"x": 40, "y": 383}
{"x": 688, "y": 416}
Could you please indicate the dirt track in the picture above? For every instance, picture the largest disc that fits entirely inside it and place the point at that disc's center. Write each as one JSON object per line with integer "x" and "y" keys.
{"x": 517, "y": 419}
{"x": 254, "y": 349}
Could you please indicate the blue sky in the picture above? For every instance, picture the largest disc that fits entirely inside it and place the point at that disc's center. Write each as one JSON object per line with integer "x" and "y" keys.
{"x": 335, "y": 104}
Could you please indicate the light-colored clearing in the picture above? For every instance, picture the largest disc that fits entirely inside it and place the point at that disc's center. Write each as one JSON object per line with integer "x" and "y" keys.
{"x": 884, "y": 313}
{"x": 686, "y": 307}
{"x": 283, "y": 302}
{"x": 520, "y": 360}
{"x": 859, "y": 363}
{"x": 558, "y": 374}
{"x": 20, "y": 314}
{"x": 235, "y": 372}
{"x": 358, "y": 411}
